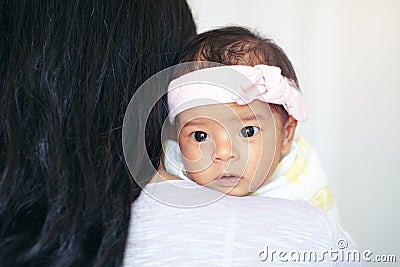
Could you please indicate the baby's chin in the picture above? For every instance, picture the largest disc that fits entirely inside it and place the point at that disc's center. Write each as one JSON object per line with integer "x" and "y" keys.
{"x": 239, "y": 188}
{"x": 237, "y": 191}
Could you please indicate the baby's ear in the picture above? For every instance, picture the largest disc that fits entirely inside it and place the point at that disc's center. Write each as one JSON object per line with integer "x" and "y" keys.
{"x": 289, "y": 129}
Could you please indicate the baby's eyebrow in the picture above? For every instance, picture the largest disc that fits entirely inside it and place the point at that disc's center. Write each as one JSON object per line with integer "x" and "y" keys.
{"x": 196, "y": 123}
{"x": 248, "y": 117}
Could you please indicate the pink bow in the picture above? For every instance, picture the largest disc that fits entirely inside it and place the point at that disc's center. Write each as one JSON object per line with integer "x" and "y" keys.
{"x": 270, "y": 86}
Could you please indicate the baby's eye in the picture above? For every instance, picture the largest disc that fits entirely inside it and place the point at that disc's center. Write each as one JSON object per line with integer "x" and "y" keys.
{"x": 249, "y": 131}
{"x": 200, "y": 136}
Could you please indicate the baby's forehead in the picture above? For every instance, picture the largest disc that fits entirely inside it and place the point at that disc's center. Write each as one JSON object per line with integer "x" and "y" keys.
{"x": 227, "y": 112}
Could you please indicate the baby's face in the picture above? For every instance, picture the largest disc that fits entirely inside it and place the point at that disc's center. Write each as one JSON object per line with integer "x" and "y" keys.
{"x": 229, "y": 147}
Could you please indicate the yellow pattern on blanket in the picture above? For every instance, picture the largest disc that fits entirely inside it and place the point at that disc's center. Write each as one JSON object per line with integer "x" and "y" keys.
{"x": 299, "y": 175}
{"x": 299, "y": 170}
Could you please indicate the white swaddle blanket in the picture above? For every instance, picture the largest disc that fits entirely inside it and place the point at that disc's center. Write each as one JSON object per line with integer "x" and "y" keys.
{"x": 299, "y": 175}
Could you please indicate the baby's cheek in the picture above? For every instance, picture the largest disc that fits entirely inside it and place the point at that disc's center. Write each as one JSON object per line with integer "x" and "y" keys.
{"x": 259, "y": 177}
{"x": 191, "y": 152}
{"x": 197, "y": 158}
{"x": 198, "y": 177}
{"x": 260, "y": 164}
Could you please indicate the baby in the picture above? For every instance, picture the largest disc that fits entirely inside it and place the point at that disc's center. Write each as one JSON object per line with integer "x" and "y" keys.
{"x": 236, "y": 122}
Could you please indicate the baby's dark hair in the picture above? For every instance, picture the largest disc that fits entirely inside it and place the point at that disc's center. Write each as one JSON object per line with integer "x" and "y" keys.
{"x": 239, "y": 46}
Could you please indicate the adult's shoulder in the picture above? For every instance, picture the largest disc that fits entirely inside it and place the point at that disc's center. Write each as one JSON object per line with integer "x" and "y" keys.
{"x": 181, "y": 194}
{"x": 168, "y": 219}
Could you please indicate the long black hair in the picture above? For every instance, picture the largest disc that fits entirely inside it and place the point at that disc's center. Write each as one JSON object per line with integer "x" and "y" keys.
{"x": 67, "y": 73}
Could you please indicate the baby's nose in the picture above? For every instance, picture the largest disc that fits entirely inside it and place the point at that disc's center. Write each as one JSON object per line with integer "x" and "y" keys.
{"x": 225, "y": 149}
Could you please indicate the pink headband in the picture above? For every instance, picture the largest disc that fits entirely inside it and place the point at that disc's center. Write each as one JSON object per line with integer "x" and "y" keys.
{"x": 229, "y": 84}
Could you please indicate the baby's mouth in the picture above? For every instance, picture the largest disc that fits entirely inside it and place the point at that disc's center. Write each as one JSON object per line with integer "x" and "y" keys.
{"x": 228, "y": 179}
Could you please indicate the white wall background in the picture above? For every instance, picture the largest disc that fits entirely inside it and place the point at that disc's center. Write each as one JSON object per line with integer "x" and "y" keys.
{"x": 347, "y": 55}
